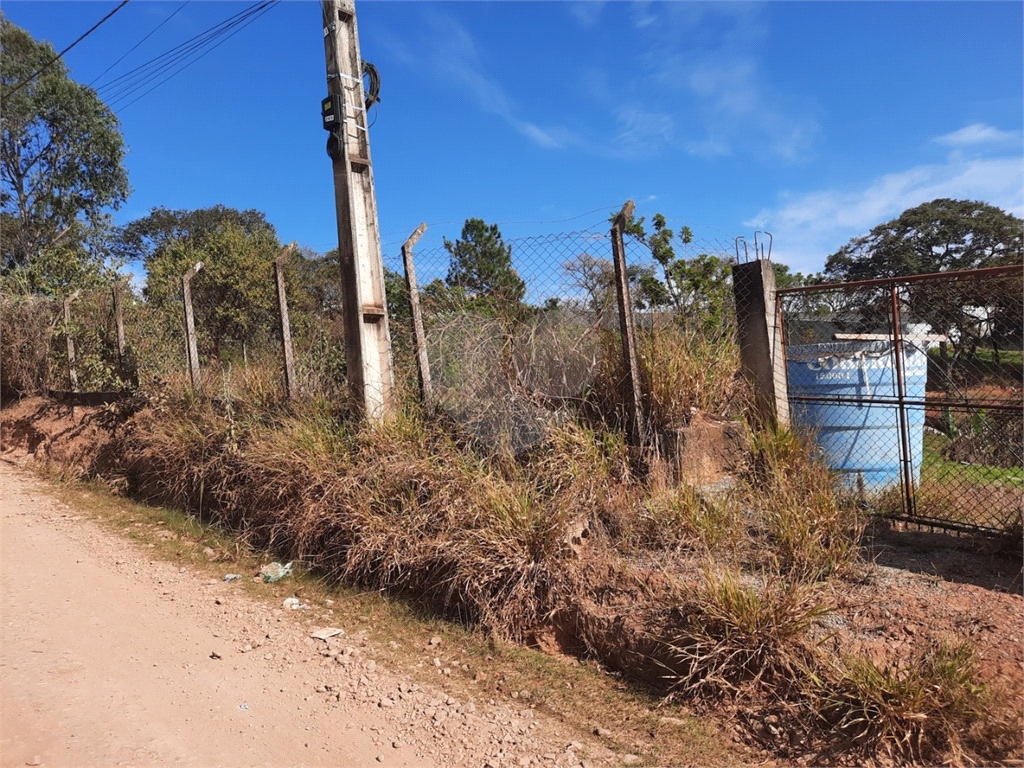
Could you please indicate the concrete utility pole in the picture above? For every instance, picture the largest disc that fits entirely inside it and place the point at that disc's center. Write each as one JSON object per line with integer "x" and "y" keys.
{"x": 367, "y": 337}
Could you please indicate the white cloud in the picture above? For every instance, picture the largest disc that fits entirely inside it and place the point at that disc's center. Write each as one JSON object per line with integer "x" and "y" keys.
{"x": 450, "y": 52}
{"x": 739, "y": 110}
{"x": 810, "y": 227}
{"x": 640, "y": 131}
{"x": 641, "y": 15}
{"x": 586, "y": 13}
{"x": 973, "y": 135}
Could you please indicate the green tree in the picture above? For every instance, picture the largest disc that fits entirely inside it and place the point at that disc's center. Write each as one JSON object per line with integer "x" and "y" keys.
{"x": 60, "y": 162}
{"x": 233, "y": 296}
{"x": 940, "y": 236}
{"x": 786, "y": 279}
{"x": 143, "y": 237}
{"x": 481, "y": 264}
{"x": 697, "y": 290}
{"x": 595, "y": 276}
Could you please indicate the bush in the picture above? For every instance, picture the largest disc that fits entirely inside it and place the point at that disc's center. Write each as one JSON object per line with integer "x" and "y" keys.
{"x": 26, "y": 333}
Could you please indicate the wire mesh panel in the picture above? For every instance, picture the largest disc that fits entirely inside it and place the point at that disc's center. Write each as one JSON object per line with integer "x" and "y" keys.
{"x": 912, "y": 388}
{"x": 521, "y": 331}
{"x": 516, "y": 330}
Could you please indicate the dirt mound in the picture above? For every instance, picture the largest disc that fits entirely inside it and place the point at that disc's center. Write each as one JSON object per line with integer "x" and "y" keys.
{"x": 78, "y": 438}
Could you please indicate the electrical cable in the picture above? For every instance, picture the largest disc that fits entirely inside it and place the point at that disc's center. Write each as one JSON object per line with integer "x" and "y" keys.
{"x": 189, "y": 52}
{"x": 185, "y": 47}
{"x": 125, "y": 85}
{"x": 259, "y": 12}
{"x": 372, "y": 95}
{"x": 50, "y": 63}
{"x": 175, "y": 13}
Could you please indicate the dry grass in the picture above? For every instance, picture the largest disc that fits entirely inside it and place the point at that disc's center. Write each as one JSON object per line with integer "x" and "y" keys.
{"x": 813, "y": 529}
{"x": 681, "y": 518}
{"x": 682, "y": 371}
{"x": 26, "y": 333}
{"x": 928, "y": 707}
{"x": 739, "y": 632}
{"x": 400, "y": 507}
{"x": 483, "y": 534}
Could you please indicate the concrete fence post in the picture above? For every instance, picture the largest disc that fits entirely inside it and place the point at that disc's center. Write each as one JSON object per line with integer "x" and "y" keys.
{"x": 630, "y": 361}
{"x": 72, "y": 370}
{"x": 759, "y": 322}
{"x": 192, "y": 348}
{"x": 115, "y": 290}
{"x": 419, "y": 337}
{"x": 286, "y": 328}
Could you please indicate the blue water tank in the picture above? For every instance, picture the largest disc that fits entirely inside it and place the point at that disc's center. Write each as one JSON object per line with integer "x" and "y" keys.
{"x": 861, "y": 440}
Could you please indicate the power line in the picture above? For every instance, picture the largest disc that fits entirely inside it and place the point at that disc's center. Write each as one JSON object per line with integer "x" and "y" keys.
{"x": 139, "y": 76}
{"x": 175, "y": 13}
{"x": 209, "y": 49}
{"x": 50, "y": 63}
{"x": 189, "y": 52}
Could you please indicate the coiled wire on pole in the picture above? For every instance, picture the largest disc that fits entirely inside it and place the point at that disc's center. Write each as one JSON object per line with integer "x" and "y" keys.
{"x": 373, "y": 91}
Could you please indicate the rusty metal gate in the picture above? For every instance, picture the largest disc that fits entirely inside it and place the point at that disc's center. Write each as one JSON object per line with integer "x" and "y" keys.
{"x": 912, "y": 389}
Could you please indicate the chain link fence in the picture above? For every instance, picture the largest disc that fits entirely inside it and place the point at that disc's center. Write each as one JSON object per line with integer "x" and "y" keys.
{"x": 533, "y": 332}
{"x": 912, "y": 388}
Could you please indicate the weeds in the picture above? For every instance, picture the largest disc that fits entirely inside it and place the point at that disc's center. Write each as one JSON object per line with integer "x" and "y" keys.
{"x": 813, "y": 529}
{"x": 734, "y": 632}
{"x": 931, "y": 705}
{"x": 682, "y": 517}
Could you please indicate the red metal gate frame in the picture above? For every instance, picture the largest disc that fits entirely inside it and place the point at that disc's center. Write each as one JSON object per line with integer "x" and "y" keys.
{"x": 909, "y": 488}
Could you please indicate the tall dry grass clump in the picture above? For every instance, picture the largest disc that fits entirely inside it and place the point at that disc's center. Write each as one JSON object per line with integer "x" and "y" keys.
{"x": 679, "y": 371}
{"x": 813, "y": 529}
{"x": 683, "y": 371}
{"x": 400, "y": 506}
{"x": 737, "y": 632}
{"x": 931, "y": 708}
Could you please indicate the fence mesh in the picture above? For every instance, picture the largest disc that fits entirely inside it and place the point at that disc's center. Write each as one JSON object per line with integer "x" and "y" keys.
{"x": 911, "y": 387}
{"x": 521, "y": 335}
{"x": 913, "y": 390}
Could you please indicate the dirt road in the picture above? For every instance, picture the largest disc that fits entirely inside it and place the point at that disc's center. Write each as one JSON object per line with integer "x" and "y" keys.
{"x": 112, "y": 658}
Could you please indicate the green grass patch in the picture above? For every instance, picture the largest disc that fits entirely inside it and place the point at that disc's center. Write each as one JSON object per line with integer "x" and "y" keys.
{"x": 936, "y": 468}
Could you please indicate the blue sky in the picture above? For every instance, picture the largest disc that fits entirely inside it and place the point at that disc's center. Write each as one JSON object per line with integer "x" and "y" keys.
{"x": 814, "y": 121}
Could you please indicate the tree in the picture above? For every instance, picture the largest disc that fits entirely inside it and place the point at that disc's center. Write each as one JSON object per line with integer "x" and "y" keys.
{"x": 786, "y": 279}
{"x": 60, "y": 157}
{"x": 697, "y": 290}
{"x": 938, "y": 236}
{"x": 233, "y": 296}
{"x": 481, "y": 264}
{"x": 595, "y": 276}
{"x": 941, "y": 236}
{"x": 143, "y": 237}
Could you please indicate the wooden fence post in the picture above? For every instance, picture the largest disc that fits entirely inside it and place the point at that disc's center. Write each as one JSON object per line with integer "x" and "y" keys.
{"x": 286, "y": 328}
{"x": 631, "y": 364}
{"x": 419, "y": 338}
{"x": 72, "y": 372}
{"x": 192, "y": 347}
